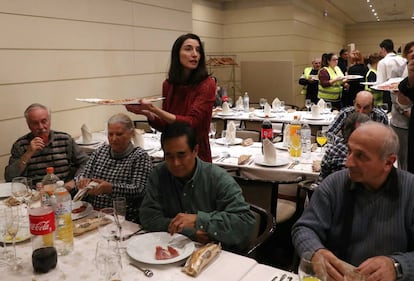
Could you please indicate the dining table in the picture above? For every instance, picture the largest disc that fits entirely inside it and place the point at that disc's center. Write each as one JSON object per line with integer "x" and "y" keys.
{"x": 80, "y": 264}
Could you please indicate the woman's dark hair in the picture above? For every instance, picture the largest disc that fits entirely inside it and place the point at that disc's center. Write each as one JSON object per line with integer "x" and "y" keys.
{"x": 176, "y": 72}
{"x": 407, "y": 48}
{"x": 179, "y": 129}
{"x": 326, "y": 58}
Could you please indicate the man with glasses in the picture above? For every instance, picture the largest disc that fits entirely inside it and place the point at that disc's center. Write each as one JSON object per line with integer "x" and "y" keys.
{"x": 195, "y": 198}
{"x": 364, "y": 103}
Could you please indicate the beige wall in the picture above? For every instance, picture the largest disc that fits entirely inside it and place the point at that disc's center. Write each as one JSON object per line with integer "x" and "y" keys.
{"x": 54, "y": 51}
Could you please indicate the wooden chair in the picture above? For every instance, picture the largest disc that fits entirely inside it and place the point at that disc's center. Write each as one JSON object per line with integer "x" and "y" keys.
{"x": 245, "y": 133}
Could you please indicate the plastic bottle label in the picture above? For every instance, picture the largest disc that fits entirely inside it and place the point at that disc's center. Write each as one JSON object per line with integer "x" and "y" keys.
{"x": 42, "y": 224}
{"x": 267, "y": 133}
{"x": 63, "y": 208}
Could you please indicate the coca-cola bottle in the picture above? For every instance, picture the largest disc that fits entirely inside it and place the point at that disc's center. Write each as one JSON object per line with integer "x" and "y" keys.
{"x": 42, "y": 229}
{"x": 267, "y": 130}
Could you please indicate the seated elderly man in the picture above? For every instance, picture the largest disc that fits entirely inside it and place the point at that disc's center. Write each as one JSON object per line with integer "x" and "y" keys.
{"x": 364, "y": 103}
{"x": 198, "y": 199}
{"x": 363, "y": 215}
{"x": 119, "y": 169}
{"x": 336, "y": 151}
{"x": 32, "y": 153}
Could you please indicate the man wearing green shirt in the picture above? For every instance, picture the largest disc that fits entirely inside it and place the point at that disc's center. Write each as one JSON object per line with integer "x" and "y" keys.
{"x": 198, "y": 199}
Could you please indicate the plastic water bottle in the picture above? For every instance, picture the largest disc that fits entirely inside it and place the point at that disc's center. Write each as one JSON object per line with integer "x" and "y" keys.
{"x": 246, "y": 102}
{"x": 49, "y": 186}
{"x": 306, "y": 140}
{"x": 64, "y": 226}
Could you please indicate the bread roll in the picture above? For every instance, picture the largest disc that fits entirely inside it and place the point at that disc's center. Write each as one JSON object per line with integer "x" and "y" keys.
{"x": 200, "y": 258}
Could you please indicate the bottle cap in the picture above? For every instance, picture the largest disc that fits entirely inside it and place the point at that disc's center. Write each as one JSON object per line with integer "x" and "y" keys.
{"x": 50, "y": 170}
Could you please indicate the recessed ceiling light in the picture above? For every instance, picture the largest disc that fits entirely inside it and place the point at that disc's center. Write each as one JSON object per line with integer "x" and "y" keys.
{"x": 375, "y": 14}
{"x": 370, "y": 6}
{"x": 367, "y": 1}
{"x": 373, "y": 10}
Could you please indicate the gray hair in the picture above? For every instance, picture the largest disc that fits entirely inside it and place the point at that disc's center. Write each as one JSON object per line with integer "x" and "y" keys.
{"x": 35, "y": 106}
{"x": 124, "y": 119}
{"x": 391, "y": 144}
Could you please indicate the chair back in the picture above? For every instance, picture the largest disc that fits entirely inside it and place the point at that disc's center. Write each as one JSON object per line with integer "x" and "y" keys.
{"x": 143, "y": 125}
{"x": 263, "y": 229}
{"x": 245, "y": 133}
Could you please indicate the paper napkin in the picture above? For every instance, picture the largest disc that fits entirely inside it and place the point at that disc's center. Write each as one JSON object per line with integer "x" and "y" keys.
{"x": 231, "y": 132}
{"x": 316, "y": 110}
{"x": 276, "y": 104}
{"x": 86, "y": 134}
{"x": 225, "y": 108}
{"x": 138, "y": 138}
{"x": 269, "y": 152}
{"x": 239, "y": 103}
{"x": 321, "y": 104}
{"x": 267, "y": 109}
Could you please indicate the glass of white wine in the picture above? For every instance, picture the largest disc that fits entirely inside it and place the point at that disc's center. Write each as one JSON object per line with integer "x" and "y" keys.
{"x": 262, "y": 103}
{"x": 321, "y": 139}
{"x": 213, "y": 130}
{"x": 308, "y": 104}
{"x": 20, "y": 189}
{"x": 311, "y": 269}
{"x": 12, "y": 227}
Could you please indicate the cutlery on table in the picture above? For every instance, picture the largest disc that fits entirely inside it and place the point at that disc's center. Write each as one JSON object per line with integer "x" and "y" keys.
{"x": 283, "y": 277}
{"x": 147, "y": 272}
{"x": 290, "y": 278}
{"x": 126, "y": 237}
{"x": 275, "y": 278}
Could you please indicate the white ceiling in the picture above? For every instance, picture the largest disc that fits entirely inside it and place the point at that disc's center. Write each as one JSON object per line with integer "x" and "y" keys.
{"x": 358, "y": 11}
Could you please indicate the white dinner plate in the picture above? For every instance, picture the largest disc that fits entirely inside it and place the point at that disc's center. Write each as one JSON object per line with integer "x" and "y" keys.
{"x": 368, "y": 83}
{"x": 351, "y": 77}
{"x": 23, "y": 234}
{"x": 117, "y": 101}
{"x": 142, "y": 247}
{"x": 236, "y": 141}
{"x": 84, "y": 213}
{"x": 93, "y": 142}
{"x": 310, "y": 117}
{"x": 225, "y": 114}
{"x": 281, "y": 146}
{"x": 5, "y": 189}
{"x": 263, "y": 115}
{"x": 280, "y": 161}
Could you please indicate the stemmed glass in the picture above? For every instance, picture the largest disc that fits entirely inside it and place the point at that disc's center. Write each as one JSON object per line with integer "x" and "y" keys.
{"x": 321, "y": 139}
{"x": 12, "y": 227}
{"x": 311, "y": 269}
{"x": 230, "y": 101}
{"x": 224, "y": 138}
{"x": 262, "y": 103}
{"x": 107, "y": 226}
{"x": 328, "y": 107}
{"x": 20, "y": 189}
{"x": 4, "y": 257}
{"x": 213, "y": 131}
{"x": 308, "y": 104}
{"x": 120, "y": 206}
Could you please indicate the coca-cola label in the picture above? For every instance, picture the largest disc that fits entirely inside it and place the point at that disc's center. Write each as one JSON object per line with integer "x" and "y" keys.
{"x": 42, "y": 224}
{"x": 267, "y": 133}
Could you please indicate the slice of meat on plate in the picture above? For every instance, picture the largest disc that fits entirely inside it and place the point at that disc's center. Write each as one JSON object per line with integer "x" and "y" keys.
{"x": 165, "y": 254}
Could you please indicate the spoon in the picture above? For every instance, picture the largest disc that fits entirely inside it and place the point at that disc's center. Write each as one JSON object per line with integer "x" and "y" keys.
{"x": 146, "y": 271}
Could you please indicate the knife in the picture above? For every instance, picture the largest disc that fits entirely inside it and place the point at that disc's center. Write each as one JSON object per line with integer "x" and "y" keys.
{"x": 283, "y": 277}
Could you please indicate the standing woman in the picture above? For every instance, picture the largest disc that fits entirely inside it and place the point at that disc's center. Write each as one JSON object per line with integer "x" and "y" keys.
{"x": 371, "y": 76}
{"x": 331, "y": 81}
{"x": 357, "y": 67}
{"x": 189, "y": 93}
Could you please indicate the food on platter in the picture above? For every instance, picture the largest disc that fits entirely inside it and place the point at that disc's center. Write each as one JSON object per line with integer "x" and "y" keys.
{"x": 165, "y": 254}
{"x": 79, "y": 210}
{"x": 389, "y": 87}
{"x": 200, "y": 258}
{"x": 87, "y": 224}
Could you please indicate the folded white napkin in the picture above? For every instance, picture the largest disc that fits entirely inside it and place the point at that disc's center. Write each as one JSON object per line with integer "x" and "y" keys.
{"x": 239, "y": 103}
{"x": 225, "y": 108}
{"x": 82, "y": 192}
{"x": 231, "y": 132}
{"x": 276, "y": 104}
{"x": 138, "y": 139}
{"x": 269, "y": 152}
{"x": 321, "y": 104}
{"x": 267, "y": 109}
{"x": 86, "y": 134}
{"x": 316, "y": 110}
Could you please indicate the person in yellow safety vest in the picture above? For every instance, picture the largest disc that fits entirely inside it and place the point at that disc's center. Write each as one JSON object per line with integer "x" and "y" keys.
{"x": 309, "y": 80}
{"x": 331, "y": 80}
{"x": 371, "y": 76}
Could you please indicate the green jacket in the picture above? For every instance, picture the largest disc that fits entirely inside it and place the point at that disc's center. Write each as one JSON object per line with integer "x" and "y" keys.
{"x": 211, "y": 193}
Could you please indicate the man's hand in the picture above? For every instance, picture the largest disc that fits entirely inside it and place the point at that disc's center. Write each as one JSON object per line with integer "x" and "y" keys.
{"x": 36, "y": 144}
{"x": 380, "y": 268}
{"x": 182, "y": 221}
{"x": 335, "y": 268}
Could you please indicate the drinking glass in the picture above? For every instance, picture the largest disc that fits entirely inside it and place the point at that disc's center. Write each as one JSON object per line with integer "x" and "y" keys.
{"x": 311, "y": 269}
{"x": 213, "y": 131}
{"x": 321, "y": 139}
{"x": 295, "y": 147}
{"x": 262, "y": 103}
{"x": 4, "y": 257}
{"x": 308, "y": 104}
{"x": 12, "y": 227}
{"x": 108, "y": 260}
{"x": 230, "y": 101}
{"x": 107, "y": 226}
{"x": 20, "y": 190}
{"x": 120, "y": 206}
{"x": 328, "y": 107}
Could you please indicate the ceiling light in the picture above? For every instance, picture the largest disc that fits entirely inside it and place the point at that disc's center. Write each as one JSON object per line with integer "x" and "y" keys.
{"x": 370, "y": 5}
{"x": 375, "y": 14}
{"x": 373, "y": 10}
{"x": 325, "y": 13}
{"x": 367, "y": 1}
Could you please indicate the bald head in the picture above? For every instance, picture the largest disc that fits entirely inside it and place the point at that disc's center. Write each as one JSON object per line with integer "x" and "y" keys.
{"x": 364, "y": 102}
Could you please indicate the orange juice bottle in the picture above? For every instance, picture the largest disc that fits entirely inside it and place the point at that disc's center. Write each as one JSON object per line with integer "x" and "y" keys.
{"x": 294, "y": 136}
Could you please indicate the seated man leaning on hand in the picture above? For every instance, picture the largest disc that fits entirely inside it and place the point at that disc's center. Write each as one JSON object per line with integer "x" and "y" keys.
{"x": 198, "y": 199}
{"x": 363, "y": 215}
{"x": 32, "y": 153}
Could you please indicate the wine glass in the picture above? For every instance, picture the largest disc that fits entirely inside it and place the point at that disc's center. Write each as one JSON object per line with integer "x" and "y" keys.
{"x": 328, "y": 107}
{"x": 20, "y": 190}
{"x": 230, "y": 101}
{"x": 321, "y": 139}
{"x": 12, "y": 227}
{"x": 107, "y": 226}
{"x": 224, "y": 138}
{"x": 311, "y": 269}
{"x": 120, "y": 206}
{"x": 262, "y": 103}
{"x": 108, "y": 260}
{"x": 308, "y": 104}
{"x": 4, "y": 257}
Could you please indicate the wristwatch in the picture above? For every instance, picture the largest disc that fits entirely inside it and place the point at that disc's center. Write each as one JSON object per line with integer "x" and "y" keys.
{"x": 398, "y": 269}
